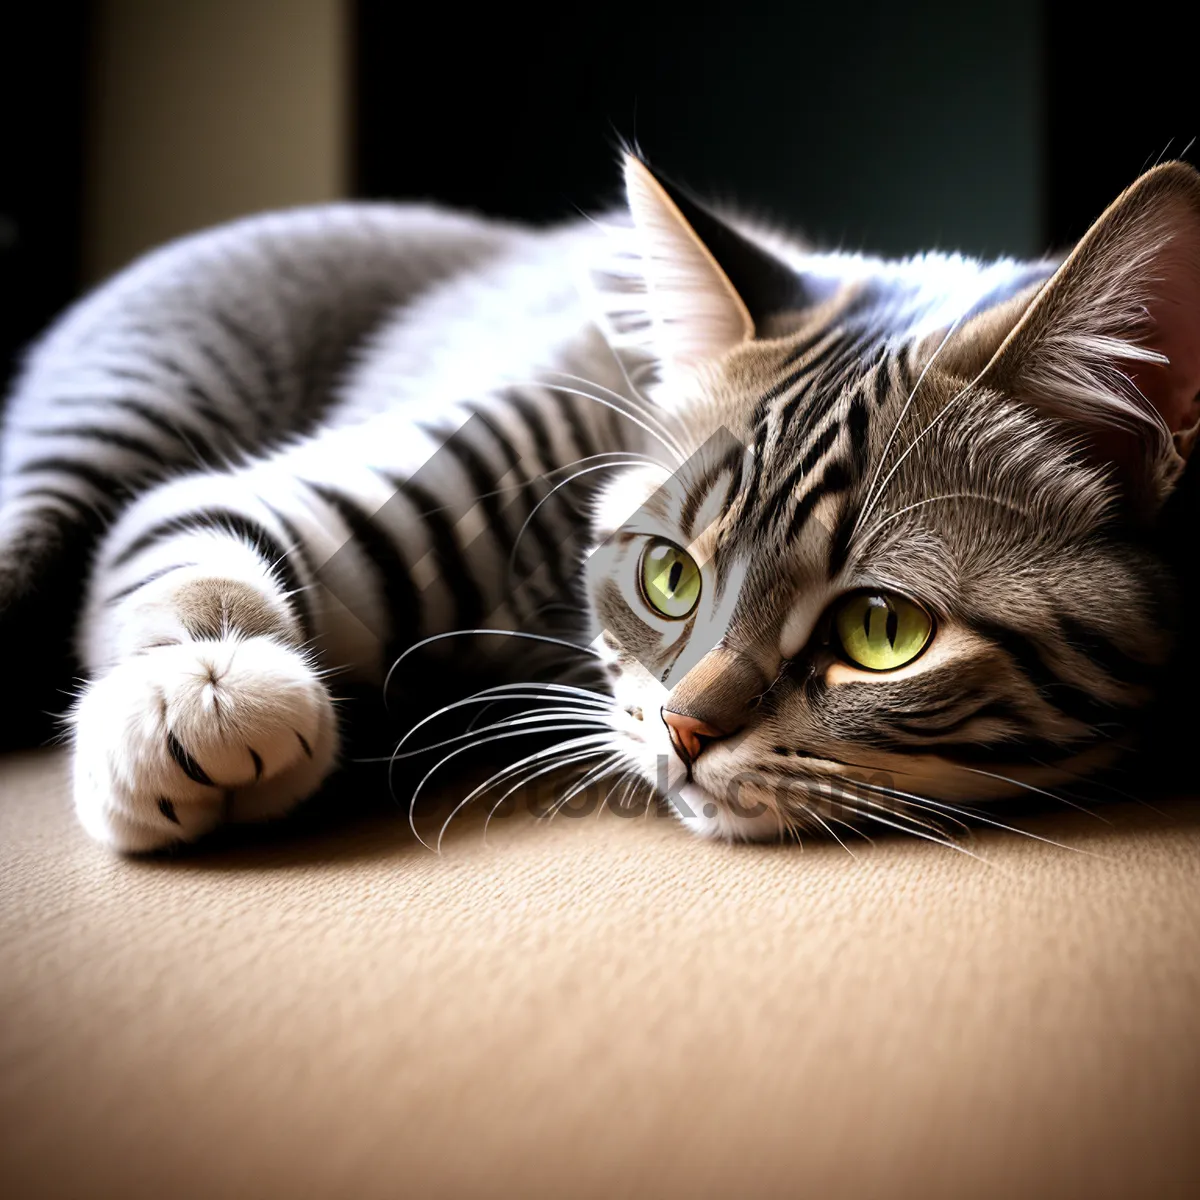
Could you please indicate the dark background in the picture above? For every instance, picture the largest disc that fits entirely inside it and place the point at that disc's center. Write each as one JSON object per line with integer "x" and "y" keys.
{"x": 43, "y": 76}
{"x": 871, "y": 124}
{"x": 992, "y": 128}
{"x": 989, "y": 127}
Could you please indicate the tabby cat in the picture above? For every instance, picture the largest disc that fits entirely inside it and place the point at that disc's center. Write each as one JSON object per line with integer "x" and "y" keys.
{"x": 847, "y": 539}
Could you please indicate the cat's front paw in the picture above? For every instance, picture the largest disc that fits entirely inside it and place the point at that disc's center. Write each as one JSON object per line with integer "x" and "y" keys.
{"x": 176, "y": 740}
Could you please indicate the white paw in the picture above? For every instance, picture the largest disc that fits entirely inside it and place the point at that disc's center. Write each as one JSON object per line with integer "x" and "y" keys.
{"x": 178, "y": 739}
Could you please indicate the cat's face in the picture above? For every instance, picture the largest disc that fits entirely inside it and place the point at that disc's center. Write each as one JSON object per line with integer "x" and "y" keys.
{"x": 880, "y": 576}
{"x": 939, "y": 631}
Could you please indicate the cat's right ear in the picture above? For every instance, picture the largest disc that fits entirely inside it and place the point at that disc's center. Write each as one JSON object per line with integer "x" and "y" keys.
{"x": 691, "y": 286}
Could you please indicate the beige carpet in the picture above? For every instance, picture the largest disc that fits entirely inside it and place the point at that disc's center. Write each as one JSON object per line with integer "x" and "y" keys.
{"x": 597, "y": 1007}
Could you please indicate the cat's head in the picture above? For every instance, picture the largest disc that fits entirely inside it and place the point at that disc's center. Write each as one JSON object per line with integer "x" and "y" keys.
{"x": 901, "y": 548}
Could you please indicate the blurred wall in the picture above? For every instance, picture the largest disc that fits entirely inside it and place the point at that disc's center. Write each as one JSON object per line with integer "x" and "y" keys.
{"x": 201, "y": 110}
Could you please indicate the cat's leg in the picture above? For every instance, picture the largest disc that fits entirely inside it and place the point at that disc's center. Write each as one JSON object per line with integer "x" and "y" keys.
{"x": 207, "y": 702}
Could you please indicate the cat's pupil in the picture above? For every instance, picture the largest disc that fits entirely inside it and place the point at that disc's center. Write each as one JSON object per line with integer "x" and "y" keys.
{"x": 893, "y": 626}
{"x": 891, "y": 621}
{"x": 673, "y": 576}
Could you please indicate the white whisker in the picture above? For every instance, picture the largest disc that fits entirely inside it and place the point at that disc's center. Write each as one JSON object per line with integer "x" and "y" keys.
{"x": 515, "y": 633}
{"x": 550, "y": 718}
{"x": 587, "y": 747}
{"x": 1029, "y": 787}
{"x": 556, "y": 765}
{"x": 910, "y": 448}
{"x": 812, "y": 812}
{"x": 644, "y": 406}
{"x": 980, "y": 496}
{"x": 662, "y": 436}
{"x": 973, "y": 815}
{"x": 872, "y": 492}
{"x": 559, "y": 764}
{"x": 495, "y": 737}
{"x": 512, "y": 691}
{"x": 590, "y": 777}
{"x": 919, "y": 829}
{"x": 512, "y": 560}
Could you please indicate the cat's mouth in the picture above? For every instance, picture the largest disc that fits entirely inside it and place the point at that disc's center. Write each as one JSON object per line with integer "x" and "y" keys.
{"x": 728, "y": 804}
{"x": 708, "y": 815}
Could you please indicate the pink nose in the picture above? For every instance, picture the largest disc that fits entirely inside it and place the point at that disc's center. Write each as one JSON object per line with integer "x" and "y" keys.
{"x": 689, "y": 735}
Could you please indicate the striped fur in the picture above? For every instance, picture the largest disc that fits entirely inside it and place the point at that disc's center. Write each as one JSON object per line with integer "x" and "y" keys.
{"x": 308, "y": 441}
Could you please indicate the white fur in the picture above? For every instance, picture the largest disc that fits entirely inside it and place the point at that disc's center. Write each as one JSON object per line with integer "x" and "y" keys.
{"x": 220, "y": 699}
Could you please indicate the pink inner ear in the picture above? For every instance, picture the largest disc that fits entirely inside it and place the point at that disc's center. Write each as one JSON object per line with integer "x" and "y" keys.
{"x": 1174, "y": 387}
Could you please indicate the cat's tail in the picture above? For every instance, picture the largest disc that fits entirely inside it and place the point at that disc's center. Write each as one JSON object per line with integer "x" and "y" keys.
{"x": 200, "y": 354}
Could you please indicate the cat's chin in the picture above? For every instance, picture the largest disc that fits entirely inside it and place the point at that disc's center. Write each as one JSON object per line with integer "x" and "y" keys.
{"x": 703, "y": 814}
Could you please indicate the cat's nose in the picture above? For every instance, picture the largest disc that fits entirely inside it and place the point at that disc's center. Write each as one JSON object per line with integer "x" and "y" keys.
{"x": 713, "y": 700}
{"x": 689, "y": 735}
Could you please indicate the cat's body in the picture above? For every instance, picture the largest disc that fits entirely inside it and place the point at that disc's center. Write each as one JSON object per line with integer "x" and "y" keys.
{"x": 312, "y": 440}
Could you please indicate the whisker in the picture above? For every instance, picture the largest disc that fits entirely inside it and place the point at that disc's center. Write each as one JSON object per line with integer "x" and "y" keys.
{"x": 598, "y": 703}
{"x": 591, "y": 776}
{"x": 512, "y": 560}
{"x": 556, "y": 687}
{"x": 997, "y": 500}
{"x": 636, "y": 395}
{"x": 551, "y": 473}
{"x": 1095, "y": 781}
{"x": 585, "y": 746}
{"x": 973, "y": 815}
{"x": 562, "y": 760}
{"x": 487, "y": 707}
{"x": 495, "y": 737}
{"x": 812, "y": 812}
{"x": 872, "y": 493}
{"x": 913, "y": 805}
{"x": 633, "y": 781}
{"x": 622, "y": 779}
{"x": 515, "y": 633}
{"x": 854, "y": 829}
{"x": 916, "y": 829}
{"x": 1029, "y": 787}
{"x": 557, "y": 765}
{"x": 913, "y": 444}
{"x": 478, "y": 698}
{"x": 550, "y": 718}
{"x": 912, "y": 801}
{"x": 518, "y": 691}
{"x": 644, "y": 405}
{"x": 663, "y": 435}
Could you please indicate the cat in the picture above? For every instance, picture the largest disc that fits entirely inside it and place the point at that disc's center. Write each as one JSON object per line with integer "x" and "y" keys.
{"x": 828, "y": 538}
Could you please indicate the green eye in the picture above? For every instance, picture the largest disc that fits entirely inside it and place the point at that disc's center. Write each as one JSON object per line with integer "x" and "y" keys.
{"x": 881, "y": 631}
{"x": 669, "y": 578}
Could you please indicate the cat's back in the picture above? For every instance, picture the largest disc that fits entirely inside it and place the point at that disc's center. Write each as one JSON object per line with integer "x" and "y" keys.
{"x": 558, "y": 298}
{"x": 517, "y": 312}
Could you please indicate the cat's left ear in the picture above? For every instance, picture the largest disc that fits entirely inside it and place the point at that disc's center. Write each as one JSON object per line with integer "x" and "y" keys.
{"x": 701, "y": 287}
{"x": 1112, "y": 342}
